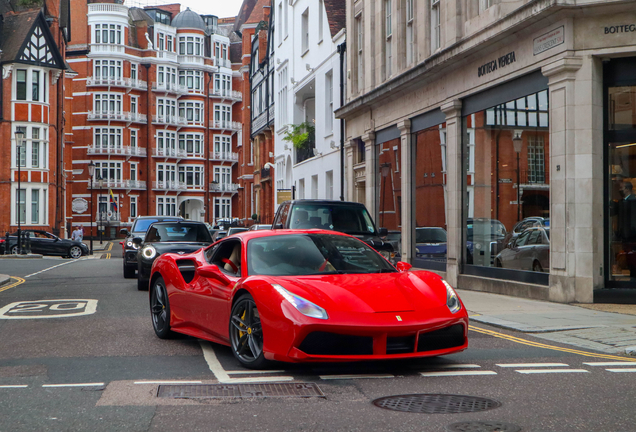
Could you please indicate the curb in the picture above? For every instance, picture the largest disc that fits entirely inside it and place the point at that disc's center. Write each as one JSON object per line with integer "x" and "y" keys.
{"x": 4, "y": 279}
{"x": 28, "y": 256}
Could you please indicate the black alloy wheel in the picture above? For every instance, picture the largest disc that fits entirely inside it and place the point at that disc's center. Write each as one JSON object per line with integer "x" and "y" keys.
{"x": 160, "y": 309}
{"x": 75, "y": 252}
{"x": 246, "y": 333}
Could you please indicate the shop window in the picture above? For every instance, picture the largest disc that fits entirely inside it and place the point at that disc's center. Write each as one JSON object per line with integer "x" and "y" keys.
{"x": 388, "y": 186}
{"x": 507, "y": 201}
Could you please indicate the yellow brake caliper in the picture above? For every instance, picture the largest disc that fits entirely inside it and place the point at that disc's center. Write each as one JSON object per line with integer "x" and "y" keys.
{"x": 242, "y": 319}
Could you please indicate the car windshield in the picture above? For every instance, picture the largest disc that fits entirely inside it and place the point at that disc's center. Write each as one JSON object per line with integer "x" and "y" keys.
{"x": 141, "y": 225}
{"x": 430, "y": 235}
{"x": 178, "y": 232}
{"x": 342, "y": 218}
{"x": 310, "y": 254}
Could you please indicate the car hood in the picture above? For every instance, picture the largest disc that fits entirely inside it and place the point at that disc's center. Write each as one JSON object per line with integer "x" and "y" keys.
{"x": 369, "y": 293}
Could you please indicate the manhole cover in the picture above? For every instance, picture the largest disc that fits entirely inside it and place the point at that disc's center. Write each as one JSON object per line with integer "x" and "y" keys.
{"x": 436, "y": 403}
{"x": 198, "y": 391}
{"x": 482, "y": 427}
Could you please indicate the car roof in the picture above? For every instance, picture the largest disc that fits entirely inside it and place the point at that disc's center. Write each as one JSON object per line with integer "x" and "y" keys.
{"x": 330, "y": 202}
{"x": 180, "y": 222}
{"x": 249, "y": 235}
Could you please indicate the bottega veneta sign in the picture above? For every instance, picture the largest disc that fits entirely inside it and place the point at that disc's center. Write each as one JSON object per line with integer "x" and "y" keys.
{"x": 493, "y": 65}
{"x": 625, "y": 28}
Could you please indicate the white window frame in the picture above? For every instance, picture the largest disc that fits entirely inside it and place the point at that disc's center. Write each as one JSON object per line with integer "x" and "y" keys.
{"x": 28, "y": 188}
{"x": 32, "y": 145}
{"x": 43, "y": 87}
{"x": 112, "y": 135}
{"x": 304, "y": 32}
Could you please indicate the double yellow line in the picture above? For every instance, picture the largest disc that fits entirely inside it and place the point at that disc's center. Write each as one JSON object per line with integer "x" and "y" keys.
{"x": 546, "y": 346}
{"x": 16, "y": 281}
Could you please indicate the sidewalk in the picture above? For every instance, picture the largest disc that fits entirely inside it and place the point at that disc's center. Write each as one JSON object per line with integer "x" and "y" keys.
{"x": 587, "y": 327}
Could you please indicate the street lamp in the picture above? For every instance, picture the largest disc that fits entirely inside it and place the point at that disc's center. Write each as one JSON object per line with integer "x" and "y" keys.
{"x": 100, "y": 181}
{"x": 385, "y": 169}
{"x": 91, "y": 173}
{"x": 517, "y": 143}
{"x": 19, "y": 141}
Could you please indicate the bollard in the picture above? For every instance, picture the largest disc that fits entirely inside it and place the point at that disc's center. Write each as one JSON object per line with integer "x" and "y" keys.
{"x": 25, "y": 236}
{"x": 27, "y": 239}
{"x": 7, "y": 250}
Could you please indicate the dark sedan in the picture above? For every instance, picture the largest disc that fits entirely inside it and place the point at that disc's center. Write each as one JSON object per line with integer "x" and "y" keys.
{"x": 179, "y": 237}
{"x": 45, "y": 243}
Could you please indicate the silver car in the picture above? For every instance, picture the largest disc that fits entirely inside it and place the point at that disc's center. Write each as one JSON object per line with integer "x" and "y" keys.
{"x": 530, "y": 250}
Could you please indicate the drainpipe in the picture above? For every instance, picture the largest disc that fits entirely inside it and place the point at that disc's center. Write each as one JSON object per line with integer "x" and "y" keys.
{"x": 342, "y": 48}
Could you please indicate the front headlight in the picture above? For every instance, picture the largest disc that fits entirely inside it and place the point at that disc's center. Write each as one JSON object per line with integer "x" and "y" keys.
{"x": 386, "y": 254}
{"x": 149, "y": 252}
{"x": 452, "y": 299}
{"x": 132, "y": 245}
{"x": 305, "y": 307}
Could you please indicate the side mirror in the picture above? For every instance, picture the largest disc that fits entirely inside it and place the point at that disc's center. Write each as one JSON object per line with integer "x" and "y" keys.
{"x": 123, "y": 231}
{"x": 138, "y": 241}
{"x": 403, "y": 266}
{"x": 212, "y": 271}
{"x": 383, "y": 232}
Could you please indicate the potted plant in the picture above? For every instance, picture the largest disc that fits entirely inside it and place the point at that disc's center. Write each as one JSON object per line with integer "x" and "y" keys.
{"x": 303, "y": 138}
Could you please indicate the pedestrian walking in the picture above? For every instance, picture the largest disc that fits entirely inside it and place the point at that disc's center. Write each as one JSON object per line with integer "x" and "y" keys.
{"x": 81, "y": 233}
{"x": 75, "y": 235}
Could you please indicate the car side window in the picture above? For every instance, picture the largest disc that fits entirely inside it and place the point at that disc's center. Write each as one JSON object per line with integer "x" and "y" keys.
{"x": 535, "y": 237}
{"x": 522, "y": 239}
{"x": 227, "y": 257}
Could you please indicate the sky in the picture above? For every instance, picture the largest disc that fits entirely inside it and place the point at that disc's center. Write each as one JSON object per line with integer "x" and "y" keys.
{"x": 220, "y": 8}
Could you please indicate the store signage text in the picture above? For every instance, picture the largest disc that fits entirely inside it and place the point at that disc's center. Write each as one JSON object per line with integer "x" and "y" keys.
{"x": 493, "y": 65}
{"x": 625, "y": 28}
{"x": 549, "y": 40}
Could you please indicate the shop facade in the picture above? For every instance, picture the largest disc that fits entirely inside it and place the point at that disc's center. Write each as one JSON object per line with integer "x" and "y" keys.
{"x": 507, "y": 159}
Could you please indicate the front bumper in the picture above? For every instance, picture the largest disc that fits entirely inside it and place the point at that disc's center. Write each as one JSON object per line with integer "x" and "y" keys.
{"x": 130, "y": 257}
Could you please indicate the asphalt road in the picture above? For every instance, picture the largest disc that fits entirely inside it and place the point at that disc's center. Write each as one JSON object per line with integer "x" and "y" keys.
{"x": 83, "y": 357}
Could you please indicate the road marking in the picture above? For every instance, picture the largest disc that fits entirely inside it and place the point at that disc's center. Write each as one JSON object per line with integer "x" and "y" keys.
{"x": 51, "y": 268}
{"x": 609, "y": 364}
{"x": 362, "y": 376}
{"x": 545, "y": 346}
{"x": 14, "y": 386}
{"x": 523, "y": 365}
{"x": 457, "y": 373}
{"x": 168, "y": 382}
{"x": 221, "y": 374}
{"x": 254, "y": 372}
{"x": 622, "y": 370}
{"x": 110, "y": 247}
{"x": 455, "y": 366}
{"x": 74, "y": 385}
{"x": 539, "y": 371}
{"x": 57, "y": 308}
{"x": 18, "y": 281}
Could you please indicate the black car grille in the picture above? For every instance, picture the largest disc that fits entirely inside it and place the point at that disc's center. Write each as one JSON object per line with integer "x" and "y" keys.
{"x": 400, "y": 344}
{"x": 324, "y": 343}
{"x": 448, "y": 337}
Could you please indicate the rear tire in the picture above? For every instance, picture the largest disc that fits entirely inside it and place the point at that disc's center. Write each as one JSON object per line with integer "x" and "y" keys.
{"x": 160, "y": 310}
{"x": 536, "y": 266}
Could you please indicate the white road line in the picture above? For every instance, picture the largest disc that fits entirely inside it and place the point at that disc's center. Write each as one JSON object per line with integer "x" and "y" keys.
{"x": 168, "y": 382}
{"x": 456, "y": 373}
{"x": 610, "y": 364}
{"x": 14, "y": 386}
{"x": 254, "y": 372}
{"x": 51, "y": 268}
{"x": 622, "y": 370}
{"x": 455, "y": 366}
{"x": 540, "y": 371}
{"x": 362, "y": 376}
{"x": 523, "y": 365}
{"x": 74, "y": 385}
{"x": 221, "y": 374}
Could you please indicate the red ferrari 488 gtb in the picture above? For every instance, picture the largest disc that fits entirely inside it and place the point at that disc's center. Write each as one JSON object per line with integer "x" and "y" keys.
{"x": 305, "y": 295}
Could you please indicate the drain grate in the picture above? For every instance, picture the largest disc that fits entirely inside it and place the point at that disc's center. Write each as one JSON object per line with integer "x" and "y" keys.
{"x": 436, "y": 403}
{"x": 482, "y": 427}
{"x": 203, "y": 391}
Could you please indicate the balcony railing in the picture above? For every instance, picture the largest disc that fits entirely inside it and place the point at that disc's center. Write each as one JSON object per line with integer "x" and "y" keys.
{"x": 229, "y": 94}
{"x": 191, "y": 60}
{"x": 116, "y": 82}
{"x": 117, "y": 116}
{"x": 167, "y": 55}
{"x": 170, "y": 120}
{"x": 108, "y": 49}
{"x": 120, "y": 184}
{"x": 170, "y": 87}
{"x": 224, "y": 187}
{"x": 224, "y": 156}
{"x": 109, "y": 8}
{"x": 228, "y": 125}
{"x": 169, "y": 152}
{"x": 124, "y": 151}
{"x": 169, "y": 185}
{"x": 222, "y": 62}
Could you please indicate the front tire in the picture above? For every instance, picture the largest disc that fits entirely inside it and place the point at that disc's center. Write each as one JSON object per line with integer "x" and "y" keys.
{"x": 14, "y": 250}
{"x": 129, "y": 271}
{"x": 142, "y": 285}
{"x": 246, "y": 333}
{"x": 75, "y": 252}
{"x": 160, "y": 309}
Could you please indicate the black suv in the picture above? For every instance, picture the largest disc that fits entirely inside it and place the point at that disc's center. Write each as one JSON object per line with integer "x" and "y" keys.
{"x": 348, "y": 217}
{"x": 139, "y": 228}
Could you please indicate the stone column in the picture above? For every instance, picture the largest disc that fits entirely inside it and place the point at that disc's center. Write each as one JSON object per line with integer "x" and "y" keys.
{"x": 576, "y": 179}
{"x": 408, "y": 202}
{"x": 350, "y": 179}
{"x": 454, "y": 186}
{"x": 370, "y": 174}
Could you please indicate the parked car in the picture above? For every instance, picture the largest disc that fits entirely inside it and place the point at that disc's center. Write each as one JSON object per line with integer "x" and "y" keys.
{"x": 178, "y": 237}
{"x": 484, "y": 240}
{"x": 529, "y": 251}
{"x": 260, "y": 227}
{"x": 45, "y": 243}
{"x": 139, "y": 227}
{"x": 236, "y": 230}
{"x": 344, "y": 216}
{"x": 430, "y": 243}
{"x": 520, "y": 226}
{"x": 305, "y": 296}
